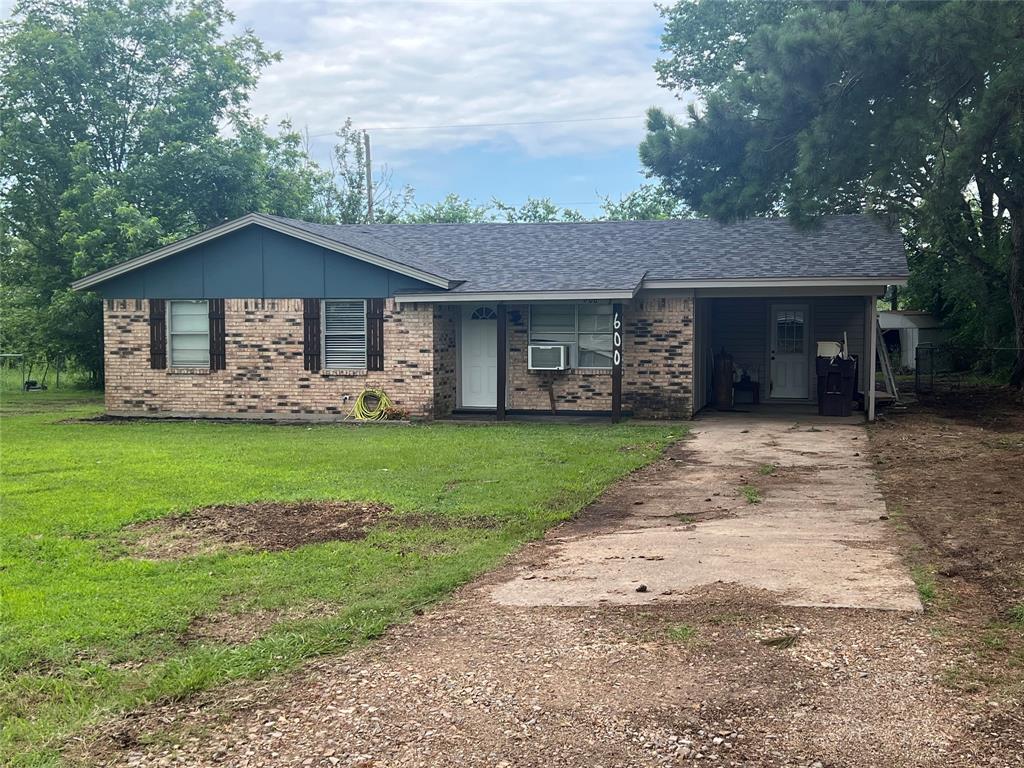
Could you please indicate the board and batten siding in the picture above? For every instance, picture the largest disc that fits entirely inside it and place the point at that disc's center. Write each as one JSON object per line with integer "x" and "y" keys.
{"x": 831, "y": 317}
{"x": 255, "y": 262}
{"x": 742, "y": 327}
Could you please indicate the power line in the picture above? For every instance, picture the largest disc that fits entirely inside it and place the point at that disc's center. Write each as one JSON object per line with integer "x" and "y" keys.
{"x": 489, "y": 125}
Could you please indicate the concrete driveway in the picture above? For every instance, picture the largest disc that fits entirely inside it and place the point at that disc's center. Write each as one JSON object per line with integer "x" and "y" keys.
{"x": 791, "y": 507}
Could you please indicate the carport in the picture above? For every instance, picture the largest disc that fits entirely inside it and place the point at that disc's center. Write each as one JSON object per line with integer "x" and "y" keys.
{"x": 772, "y": 337}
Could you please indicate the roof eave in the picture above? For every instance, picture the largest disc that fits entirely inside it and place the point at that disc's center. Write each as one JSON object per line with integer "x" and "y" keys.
{"x": 776, "y": 282}
{"x": 263, "y": 221}
{"x": 461, "y": 297}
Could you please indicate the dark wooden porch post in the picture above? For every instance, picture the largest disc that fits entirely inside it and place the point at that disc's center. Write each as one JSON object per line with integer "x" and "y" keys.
{"x": 616, "y": 363}
{"x": 502, "y": 360}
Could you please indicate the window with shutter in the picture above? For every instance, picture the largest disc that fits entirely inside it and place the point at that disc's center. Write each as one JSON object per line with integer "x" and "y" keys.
{"x": 344, "y": 334}
{"x": 375, "y": 334}
{"x": 157, "y": 333}
{"x": 218, "y": 342}
{"x": 311, "y": 334}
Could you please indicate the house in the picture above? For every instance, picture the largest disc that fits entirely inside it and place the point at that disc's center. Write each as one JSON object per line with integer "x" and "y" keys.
{"x": 905, "y": 330}
{"x": 267, "y": 317}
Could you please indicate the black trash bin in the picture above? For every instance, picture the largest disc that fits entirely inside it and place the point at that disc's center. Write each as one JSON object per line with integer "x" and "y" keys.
{"x": 836, "y": 380}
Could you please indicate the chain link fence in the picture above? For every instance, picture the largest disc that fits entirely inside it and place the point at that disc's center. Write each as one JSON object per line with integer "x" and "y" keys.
{"x": 944, "y": 367}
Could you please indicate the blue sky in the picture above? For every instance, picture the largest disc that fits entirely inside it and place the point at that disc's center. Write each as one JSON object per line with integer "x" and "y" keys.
{"x": 394, "y": 66}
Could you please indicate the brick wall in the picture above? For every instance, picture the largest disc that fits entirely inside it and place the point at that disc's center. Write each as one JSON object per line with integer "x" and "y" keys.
{"x": 579, "y": 390}
{"x": 264, "y": 375}
{"x": 446, "y": 325}
{"x": 657, "y": 375}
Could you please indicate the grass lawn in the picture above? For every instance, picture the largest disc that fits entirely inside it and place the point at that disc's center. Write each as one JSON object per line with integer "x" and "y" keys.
{"x": 88, "y": 631}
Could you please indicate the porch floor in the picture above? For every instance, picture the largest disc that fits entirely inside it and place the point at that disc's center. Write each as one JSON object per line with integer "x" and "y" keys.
{"x": 806, "y": 413}
{"x": 487, "y": 417}
{"x": 803, "y": 412}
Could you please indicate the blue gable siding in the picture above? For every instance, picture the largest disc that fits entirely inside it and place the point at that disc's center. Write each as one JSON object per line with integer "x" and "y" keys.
{"x": 292, "y": 266}
{"x": 233, "y": 264}
{"x": 255, "y": 262}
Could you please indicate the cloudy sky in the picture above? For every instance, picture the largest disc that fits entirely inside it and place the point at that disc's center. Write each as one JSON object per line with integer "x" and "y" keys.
{"x": 431, "y": 80}
{"x": 408, "y": 71}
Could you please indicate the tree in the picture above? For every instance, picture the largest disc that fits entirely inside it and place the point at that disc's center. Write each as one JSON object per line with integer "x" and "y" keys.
{"x": 649, "y": 201}
{"x": 915, "y": 110}
{"x": 453, "y": 209}
{"x": 112, "y": 143}
{"x": 536, "y": 210}
{"x": 348, "y": 173}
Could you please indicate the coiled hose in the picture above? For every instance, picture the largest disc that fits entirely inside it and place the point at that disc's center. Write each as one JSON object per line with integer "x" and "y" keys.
{"x": 371, "y": 405}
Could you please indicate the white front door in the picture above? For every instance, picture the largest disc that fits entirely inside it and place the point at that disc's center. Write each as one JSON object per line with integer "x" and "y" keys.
{"x": 479, "y": 349}
{"x": 789, "y": 362}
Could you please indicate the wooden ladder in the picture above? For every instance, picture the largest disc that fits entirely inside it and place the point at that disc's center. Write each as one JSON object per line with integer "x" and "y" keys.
{"x": 887, "y": 372}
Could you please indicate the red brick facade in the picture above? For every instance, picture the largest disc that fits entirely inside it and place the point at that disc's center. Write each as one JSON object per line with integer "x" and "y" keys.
{"x": 265, "y": 378}
{"x": 657, "y": 364}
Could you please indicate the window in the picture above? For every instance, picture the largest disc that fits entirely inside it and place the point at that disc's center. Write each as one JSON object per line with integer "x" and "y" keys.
{"x": 188, "y": 330}
{"x": 344, "y": 334}
{"x": 595, "y": 325}
{"x": 789, "y": 331}
{"x": 484, "y": 313}
{"x": 587, "y": 328}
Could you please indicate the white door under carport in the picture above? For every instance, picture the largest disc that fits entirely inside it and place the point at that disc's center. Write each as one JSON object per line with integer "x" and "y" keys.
{"x": 789, "y": 349}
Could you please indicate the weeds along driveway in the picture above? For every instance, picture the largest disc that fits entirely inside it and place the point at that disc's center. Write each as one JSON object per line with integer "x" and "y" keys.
{"x": 793, "y": 508}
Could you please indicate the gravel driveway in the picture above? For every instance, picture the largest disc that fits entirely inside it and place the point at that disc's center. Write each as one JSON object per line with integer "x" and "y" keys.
{"x": 726, "y": 671}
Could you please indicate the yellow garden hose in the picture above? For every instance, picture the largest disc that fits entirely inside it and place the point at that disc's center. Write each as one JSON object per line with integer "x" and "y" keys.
{"x": 371, "y": 405}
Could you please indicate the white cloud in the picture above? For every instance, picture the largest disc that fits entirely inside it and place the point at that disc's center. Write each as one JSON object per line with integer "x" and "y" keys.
{"x": 390, "y": 65}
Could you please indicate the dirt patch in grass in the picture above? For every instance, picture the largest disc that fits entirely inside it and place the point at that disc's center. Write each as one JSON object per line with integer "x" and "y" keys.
{"x": 264, "y": 527}
{"x": 997, "y": 409}
{"x": 951, "y": 469}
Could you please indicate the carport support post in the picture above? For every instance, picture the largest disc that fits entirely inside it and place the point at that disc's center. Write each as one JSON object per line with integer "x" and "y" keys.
{"x": 872, "y": 313}
{"x": 616, "y": 363}
{"x": 502, "y": 361}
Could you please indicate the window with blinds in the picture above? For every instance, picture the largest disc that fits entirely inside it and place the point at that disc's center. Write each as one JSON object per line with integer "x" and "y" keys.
{"x": 344, "y": 334}
{"x": 189, "y": 333}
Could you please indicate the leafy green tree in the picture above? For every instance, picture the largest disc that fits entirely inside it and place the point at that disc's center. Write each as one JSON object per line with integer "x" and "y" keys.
{"x": 348, "y": 196}
{"x": 907, "y": 109}
{"x": 453, "y": 209}
{"x": 536, "y": 210}
{"x": 111, "y": 143}
{"x": 649, "y": 201}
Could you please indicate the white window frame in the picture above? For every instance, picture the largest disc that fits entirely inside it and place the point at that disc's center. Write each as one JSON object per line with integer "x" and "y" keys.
{"x": 169, "y": 319}
{"x": 323, "y": 337}
{"x": 575, "y": 344}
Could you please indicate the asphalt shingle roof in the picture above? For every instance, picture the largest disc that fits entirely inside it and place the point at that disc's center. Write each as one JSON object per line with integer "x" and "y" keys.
{"x": 617, "y": 255}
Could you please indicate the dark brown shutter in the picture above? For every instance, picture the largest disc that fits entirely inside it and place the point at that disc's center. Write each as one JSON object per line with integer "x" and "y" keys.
{"x": 218, "y": 356}
{"x": 157, "y": 333}
{"x": 375, "y": 334}
{"x": 311, "y": 334}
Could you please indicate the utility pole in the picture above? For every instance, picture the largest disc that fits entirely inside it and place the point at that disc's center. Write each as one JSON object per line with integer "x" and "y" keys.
{"x": 369, "y": 178}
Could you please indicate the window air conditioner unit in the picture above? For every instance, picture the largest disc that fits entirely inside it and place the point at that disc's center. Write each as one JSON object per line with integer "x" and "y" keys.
{"x": 548, "y": 357}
